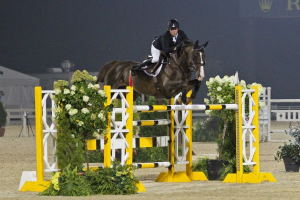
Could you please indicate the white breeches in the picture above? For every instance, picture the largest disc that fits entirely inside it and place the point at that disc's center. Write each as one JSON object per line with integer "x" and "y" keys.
{"x": 155, "y": 54}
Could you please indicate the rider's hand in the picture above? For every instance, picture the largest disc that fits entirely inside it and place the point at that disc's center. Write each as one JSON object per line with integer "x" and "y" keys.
{"x": 179, "y": 45}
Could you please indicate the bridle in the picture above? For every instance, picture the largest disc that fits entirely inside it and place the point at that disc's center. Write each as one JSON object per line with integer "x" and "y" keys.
{"x": 192, "y": 63}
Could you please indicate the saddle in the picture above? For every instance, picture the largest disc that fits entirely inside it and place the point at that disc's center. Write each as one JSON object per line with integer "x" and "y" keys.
{"x": 151, "y": 69}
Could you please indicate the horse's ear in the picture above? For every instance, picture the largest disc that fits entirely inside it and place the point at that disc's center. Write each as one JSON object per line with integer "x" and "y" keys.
{"x": 205, "y": 44}
{"x": 196, "y": 45}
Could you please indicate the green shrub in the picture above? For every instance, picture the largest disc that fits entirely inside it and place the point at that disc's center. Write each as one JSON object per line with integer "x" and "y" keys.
{"x": 201, "y": 165}
{"x": 3, "y": 115}
{"x": 96, "y": 156}
{"x": 150, "y": 131}
{"x": 292, "y": 149}
{"x": 151, "y": 154}
{"x": 206, "y": 129}
{"x": 68, "y": 183}
{"x": 118, "y": 180}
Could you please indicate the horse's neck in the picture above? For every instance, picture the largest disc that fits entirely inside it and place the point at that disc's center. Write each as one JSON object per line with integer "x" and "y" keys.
{"x": 184, "y": 58}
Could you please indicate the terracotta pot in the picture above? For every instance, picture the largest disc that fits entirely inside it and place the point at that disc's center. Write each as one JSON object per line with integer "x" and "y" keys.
{"x": 2, "y": 131}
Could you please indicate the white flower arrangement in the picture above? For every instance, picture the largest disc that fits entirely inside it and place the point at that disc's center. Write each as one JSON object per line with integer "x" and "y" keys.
{"x": 80, "y": 104}
{"x": 221, "y": 91}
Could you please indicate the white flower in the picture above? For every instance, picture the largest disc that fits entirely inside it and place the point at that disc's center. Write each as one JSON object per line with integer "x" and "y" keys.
{"x": 56, "y": 110}
{"x": 85, "y": 98}
{"x": 72, "y": 135}
{"x": 206, "y": 101}
{"x": 218, "y": 79}
{"x": 96, "y": 87}
{"x": 57, "y": 91}
{"x": 90, "y": 85}
{"x": 219, "y": 89}
{"x": 66, "y": 91}
{"x": 72, "y": 93}
{"x": 85, "y": 110}
{"x": 96, "y": 135}
{"x": 94, "y": 78}
{"x": 81, "y": 90}
{"x": 207, "y": 112}
{"x": 261, "y": 104}
{"x": 102, "y": 93}
{"x": 243, "y": 84}
{"x": 80, "y": 123}
{"x": 73, "y": 112}
{"x": 93, "y": 116}
{"x": 101, "y": 115}
{"x": 68, "y": 106}
{"x": 73, "y": 87}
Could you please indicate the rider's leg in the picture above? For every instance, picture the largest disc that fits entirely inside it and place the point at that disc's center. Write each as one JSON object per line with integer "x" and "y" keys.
{"x": 155, "y": 57}
{"x": 155, "y": 54}
{"x": 140, "y": 65}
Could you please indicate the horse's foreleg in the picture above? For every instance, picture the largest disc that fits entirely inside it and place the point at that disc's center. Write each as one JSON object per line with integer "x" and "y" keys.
{"x": 196, "y": 89}
{"x": 183, "y": 95}
{"x": 194, "y": 85}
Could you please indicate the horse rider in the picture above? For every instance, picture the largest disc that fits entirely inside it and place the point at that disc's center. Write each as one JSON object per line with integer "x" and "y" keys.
{"x": 166, "y": 43}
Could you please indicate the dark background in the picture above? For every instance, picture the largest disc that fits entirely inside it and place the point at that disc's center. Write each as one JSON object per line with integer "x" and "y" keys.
{"x": 35, "y": 35}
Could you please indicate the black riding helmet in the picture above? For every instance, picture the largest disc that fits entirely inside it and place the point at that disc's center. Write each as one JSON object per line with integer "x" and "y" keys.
{"x": 173, "y": 23}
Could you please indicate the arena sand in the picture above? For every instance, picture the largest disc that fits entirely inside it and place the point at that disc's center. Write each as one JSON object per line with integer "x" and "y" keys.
{"x": 17, "y": 154}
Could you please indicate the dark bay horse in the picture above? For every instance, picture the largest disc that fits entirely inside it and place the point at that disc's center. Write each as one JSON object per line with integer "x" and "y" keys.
{"x": 173, "y": 78}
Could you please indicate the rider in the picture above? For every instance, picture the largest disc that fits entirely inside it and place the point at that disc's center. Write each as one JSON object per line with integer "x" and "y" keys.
{"x": 166, "y": 43}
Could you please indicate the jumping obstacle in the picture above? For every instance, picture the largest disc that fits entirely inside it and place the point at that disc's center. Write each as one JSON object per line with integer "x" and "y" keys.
{"x": 183, "y": 126}
{"x": 34, "y": 180}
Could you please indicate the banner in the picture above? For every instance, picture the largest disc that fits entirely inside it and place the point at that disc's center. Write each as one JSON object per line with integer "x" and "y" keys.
{"x": 270, "y": 8}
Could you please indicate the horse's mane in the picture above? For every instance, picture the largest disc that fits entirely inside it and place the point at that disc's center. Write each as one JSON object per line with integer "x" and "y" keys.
{"x": 185, "y": 43}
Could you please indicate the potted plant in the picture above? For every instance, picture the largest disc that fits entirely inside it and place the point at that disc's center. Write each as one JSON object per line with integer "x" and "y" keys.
{"x": 3, "y": 116}
{"x": 290, "y": 152}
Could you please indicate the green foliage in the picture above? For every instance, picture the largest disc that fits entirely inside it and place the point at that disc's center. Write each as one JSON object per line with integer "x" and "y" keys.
{"x": 227, "y": 146}
{"x": 80, "y": 114}
{"x": 96, "y": 156}
{"x": 206, "y": 129}
{"x": 107, "y": 181}
{"x": 201, "y": 165}
{"x": 69, "y": 184}
{"x": 292, "y": 149}
{"x": 113, "y": 181}
{"x": 151, "y": 154}
{"x": 3, "y": 115}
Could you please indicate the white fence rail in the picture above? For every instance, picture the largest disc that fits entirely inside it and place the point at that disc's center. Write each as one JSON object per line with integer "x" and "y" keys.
{"x": 16, "y": 116}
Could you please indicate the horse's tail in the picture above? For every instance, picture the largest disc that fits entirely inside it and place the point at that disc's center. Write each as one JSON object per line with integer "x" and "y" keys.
{"x": 103, "y": 71}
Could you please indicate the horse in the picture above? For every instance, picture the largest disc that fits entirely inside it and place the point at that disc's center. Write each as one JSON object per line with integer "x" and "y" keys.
{"x": 173, "y": 78}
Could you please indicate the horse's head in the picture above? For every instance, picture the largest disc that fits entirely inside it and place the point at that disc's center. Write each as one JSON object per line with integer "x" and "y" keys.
{"x": 196, "y": 59}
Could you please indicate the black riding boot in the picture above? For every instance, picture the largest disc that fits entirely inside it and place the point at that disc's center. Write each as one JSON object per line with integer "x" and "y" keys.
{"x": 139, "y": 66}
